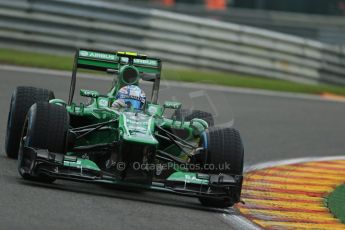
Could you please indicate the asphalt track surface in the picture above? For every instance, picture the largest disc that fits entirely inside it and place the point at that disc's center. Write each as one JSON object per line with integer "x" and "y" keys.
{"x": 272, "y": 127}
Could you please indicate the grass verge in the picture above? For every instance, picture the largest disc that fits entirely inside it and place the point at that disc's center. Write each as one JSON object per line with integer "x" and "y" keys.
{"x": 40, "y": 60}
{"x": 336, "y": 203}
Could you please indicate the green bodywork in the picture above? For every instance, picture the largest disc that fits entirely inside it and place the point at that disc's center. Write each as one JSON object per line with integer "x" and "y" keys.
{"x": 128, "y": 126}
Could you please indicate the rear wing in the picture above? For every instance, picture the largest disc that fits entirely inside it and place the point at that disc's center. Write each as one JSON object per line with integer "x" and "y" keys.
{"x": 112, "y": 61}
{"x": 149, "y": 68}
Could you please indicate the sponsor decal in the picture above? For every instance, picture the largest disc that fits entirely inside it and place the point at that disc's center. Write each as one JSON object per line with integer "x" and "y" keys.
{"x": 90, "y": 93}
{"x": 152, "y": 110}
{"x": 146, "y": 62}
{"x": 172, "y": 105}
{"x": 97, "y": 55}
{"x": 103, "y": 102}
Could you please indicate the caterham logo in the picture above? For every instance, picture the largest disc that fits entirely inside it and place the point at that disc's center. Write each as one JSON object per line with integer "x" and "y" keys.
{"x": 140, "y": 61}
{"x": 145, "y": 62}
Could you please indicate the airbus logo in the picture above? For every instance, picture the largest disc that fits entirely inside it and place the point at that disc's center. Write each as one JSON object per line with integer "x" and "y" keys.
{"x": 97, "y": 55}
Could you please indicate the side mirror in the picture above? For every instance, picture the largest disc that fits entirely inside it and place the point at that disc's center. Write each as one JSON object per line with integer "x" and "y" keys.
{"x": 89, "y": 93}
{"x": 172, "y": 105}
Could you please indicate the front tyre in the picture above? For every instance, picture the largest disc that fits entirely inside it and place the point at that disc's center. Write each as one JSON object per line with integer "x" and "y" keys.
{"x": 46, "y": 127}
{"x": 22, "y": 99}
{"x": 224, "y": 150}
{"x": 224, "y": 154}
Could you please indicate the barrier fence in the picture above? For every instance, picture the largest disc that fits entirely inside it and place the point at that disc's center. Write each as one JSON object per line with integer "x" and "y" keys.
{"x": 63, "y": 25}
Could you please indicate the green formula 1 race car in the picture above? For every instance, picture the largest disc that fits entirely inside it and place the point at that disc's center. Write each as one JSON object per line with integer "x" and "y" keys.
{"x": 123, "y": 139}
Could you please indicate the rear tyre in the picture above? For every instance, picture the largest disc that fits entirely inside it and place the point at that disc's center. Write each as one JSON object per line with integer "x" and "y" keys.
{"x": 46, "y": 127}
{"x": 188, "y": 115}
{"x": 225, "y": 152}
{"x": 22, "y": 99}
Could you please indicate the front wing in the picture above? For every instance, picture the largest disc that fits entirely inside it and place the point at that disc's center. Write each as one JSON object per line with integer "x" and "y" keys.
{"x": 192, "y": 184}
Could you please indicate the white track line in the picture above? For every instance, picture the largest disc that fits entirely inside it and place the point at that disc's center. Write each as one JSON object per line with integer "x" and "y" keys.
{"x": 178, "y": 84}
{"x": 270, "y": 164}
{"x": 240, "y": 222}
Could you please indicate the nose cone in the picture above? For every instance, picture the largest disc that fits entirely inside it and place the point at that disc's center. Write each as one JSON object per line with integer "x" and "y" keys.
{"x": 138, "y": 127}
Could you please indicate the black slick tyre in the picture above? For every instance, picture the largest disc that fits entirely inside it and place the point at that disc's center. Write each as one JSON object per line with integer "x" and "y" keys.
{"x": 22, "y": 99}
{"x": 46, "y": 127}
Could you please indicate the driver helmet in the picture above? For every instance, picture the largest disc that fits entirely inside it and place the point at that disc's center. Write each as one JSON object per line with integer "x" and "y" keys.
{"x": 131, "y": 96}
